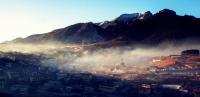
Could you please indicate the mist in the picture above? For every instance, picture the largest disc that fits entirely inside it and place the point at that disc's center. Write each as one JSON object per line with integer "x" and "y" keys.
{"x": 113, "y": 60}
{"x": 137, "y": 59}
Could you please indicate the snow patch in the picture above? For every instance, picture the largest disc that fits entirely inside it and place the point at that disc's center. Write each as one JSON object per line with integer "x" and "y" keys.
{"x": 127, "y": 17}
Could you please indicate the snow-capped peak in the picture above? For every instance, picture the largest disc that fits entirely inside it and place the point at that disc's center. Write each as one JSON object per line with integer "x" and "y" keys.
{"x": 127, "y": 17}
{"x": 101, "y": 23}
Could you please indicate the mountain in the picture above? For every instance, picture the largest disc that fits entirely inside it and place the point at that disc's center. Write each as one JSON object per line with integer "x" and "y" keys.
{"x": 162, "y": 26}
{"x": 75, "y": 33}
{"x": 145, "y": 28}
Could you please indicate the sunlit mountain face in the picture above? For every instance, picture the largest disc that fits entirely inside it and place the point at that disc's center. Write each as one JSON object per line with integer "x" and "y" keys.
{"x": 134, "y": 55}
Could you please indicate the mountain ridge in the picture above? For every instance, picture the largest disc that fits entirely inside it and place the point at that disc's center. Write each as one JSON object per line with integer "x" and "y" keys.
{"x": 142, "y": 28}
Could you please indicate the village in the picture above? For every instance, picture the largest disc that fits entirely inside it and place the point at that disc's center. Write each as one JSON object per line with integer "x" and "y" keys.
{"x": 20, "y": 77}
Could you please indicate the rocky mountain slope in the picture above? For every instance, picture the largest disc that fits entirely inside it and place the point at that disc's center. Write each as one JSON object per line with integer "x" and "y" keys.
{"x": 145, "y": 28}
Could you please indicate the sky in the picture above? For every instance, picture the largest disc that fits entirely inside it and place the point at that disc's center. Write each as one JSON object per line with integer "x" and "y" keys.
{"x": 21, "y": 18}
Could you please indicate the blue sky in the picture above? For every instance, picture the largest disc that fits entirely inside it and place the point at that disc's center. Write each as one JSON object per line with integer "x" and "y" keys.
{"x": 20, "y": 18}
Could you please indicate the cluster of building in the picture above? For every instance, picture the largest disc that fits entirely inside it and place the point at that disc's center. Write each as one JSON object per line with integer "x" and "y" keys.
{"x": 181, "y": 71}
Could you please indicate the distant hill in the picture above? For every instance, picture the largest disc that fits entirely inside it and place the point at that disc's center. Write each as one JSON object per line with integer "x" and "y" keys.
{"x": 140, "y": 28}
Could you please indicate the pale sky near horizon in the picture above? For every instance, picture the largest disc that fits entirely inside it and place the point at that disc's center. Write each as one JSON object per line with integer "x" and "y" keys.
{"x": 20, "y": 18}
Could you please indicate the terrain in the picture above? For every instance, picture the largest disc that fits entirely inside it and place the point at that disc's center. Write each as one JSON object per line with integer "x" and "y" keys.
{"x": 137, "y": 28}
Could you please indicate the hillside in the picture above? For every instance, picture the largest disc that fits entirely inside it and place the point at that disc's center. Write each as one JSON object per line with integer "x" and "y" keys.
{"x": 140, "y": 28}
